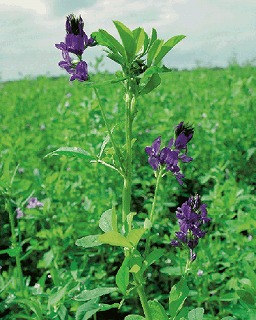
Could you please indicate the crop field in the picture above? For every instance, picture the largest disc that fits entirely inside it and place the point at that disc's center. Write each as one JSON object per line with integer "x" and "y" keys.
{"x": 43, "y": 270}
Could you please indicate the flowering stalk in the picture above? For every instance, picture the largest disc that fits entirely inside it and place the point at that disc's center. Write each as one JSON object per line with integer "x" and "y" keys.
{"x": 152, "y": 212}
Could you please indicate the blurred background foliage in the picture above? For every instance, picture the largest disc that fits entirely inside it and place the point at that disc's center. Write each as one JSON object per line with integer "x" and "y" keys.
{"x": 40, "y": 115}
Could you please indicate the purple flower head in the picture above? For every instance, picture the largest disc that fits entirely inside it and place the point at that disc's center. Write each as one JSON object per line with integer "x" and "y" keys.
{"x": 169, "y": 156}
{"x": 19, "y": 213}
{"x": 34, "y": 203}
{"x": 76, "y": 41}
{"x": 191, "y": 216}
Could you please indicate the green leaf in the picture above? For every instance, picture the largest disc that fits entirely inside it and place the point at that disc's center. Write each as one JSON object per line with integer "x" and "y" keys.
{"x": 13, "y": 252}
{"x": 105, "y": 222}
{"x": 135, "y": 235}
{"x": 246, "y": 297}
{"x": 172, "y": 270}
{"x": 196, "y": 314}
{"x": 155, "y": 69}
{"x": 127, "y": 38}
{"x": 105, "y": 307}
{"x": 86, "y": 310}
{"x": 178, "y": 295}
{"x": 155, "y": 255}
{"x": 93, "y": 294}
{"x": 106, "y": 39}
{"x": 71, "y": 151}
{"x": 88, "y": 241}
{"x": 157, "y": 310}
{"x": 139, "y": 36}
{"x": 116, "y": 58}
{"x": 134, "y": 317}
{"x": 167, "y": 46}
{"x": 153, "y": 51}
{"x": 153, "y": 37}
{"x": 115, "y": 239}
{"x": 153, "y": 82}
{"x": 122, "y": 276}
{"x": 55, "y": 298}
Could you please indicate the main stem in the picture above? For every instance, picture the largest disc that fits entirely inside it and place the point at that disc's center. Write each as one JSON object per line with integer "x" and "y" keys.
{"x": 126, "y": 203}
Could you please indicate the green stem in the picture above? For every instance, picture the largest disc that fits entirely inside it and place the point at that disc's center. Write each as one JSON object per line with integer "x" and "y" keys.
{"x": 15, "y": 246}
{"x": 144, "y": 302}
{"x": 152, "y": 212}
{"x": 126, "y": 201}
{"x": 117, "y": 151}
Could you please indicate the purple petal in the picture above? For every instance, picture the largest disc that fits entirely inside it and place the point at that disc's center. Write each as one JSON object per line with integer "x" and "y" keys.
{"x": 154, "y": 162}
{"x": 185, "y": 158}
{"x": 181, "y": 141}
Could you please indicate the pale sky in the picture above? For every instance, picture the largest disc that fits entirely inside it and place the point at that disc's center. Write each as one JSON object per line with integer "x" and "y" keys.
{"x": 216, "y": 31}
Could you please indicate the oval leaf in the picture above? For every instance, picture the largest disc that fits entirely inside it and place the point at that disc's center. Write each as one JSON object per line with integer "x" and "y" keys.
{"x": 105, "y": 222}
{"x": 135, "y": 235}
{"x": 196, "y": 314}
{"x": 95, "y": 293}
{"x": 127, "y": 38}
{"x": 115, "y": 239}
{"x": 157, "y": 310}
{"x": 167, "y": 46}
{"x": 89, "y": 241}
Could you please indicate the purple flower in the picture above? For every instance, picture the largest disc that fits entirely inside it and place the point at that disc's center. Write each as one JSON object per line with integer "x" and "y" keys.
{"x": 153, "y": 152}
{"x": 191, "y": 216}
{"x": 169, "y": 156}
{"x": 76, "y": 41}
{"x": 34, "y": 203}
{"x": 19, "y": 213}
{"x": 80, "y": 72}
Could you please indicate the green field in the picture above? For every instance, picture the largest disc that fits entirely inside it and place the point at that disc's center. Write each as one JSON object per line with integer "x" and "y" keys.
{"x": 40, "y": 115}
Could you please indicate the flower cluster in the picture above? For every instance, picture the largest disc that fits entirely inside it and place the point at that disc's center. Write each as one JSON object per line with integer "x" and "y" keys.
{"x": 176, "y": 150}
{"x": 76, "y": 42}
{"x": 191, "y": 215}
{"x": 32, "y": 204}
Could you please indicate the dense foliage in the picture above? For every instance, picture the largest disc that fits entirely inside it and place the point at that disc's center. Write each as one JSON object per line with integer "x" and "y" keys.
{"x": 41, "y": 115}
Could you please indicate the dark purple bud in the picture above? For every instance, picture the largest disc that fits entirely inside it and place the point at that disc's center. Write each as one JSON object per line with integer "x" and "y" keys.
{"x": 186, "y": 129}
{"x": 74, "y": 25}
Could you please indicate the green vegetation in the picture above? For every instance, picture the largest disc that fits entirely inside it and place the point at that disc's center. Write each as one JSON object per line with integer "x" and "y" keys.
{"x": 39, "y": 116}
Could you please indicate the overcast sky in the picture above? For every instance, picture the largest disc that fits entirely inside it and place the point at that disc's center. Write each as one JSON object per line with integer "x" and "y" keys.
{"x": 216, "y": 30}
